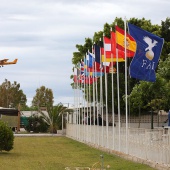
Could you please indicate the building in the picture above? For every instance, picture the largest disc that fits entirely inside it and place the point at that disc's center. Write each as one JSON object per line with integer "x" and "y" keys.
{"x": 11, "y": 116}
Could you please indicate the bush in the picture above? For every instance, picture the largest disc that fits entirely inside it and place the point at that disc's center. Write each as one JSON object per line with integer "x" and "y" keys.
{"x": 36, "y": 124}
{"x": 6, "y": 137}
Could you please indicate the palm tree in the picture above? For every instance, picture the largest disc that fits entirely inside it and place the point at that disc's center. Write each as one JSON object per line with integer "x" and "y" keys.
{"x": 54, "y": 117}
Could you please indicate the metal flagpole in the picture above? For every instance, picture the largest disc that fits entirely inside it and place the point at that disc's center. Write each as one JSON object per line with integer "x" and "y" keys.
{"x": 118, "y": 95}
{"x": 94, "y": 106}
{"x": 78, "y": 120}
{"x": 113, "y": 114}
{"x": 75, "y": 100}
{"x": 126, "y": 88}
{"x": 78, "y": 100}
{"x": 96, "y": 100}
{"x": 75, "y": 83}
{"x": 106, "y": 98}
{"x": 87, "y": 104}
{"x": 77, "y": 104}
{"x": 89, "y": 123}
{"x": 84, "y": 101}
{"x": 101, "y": 100}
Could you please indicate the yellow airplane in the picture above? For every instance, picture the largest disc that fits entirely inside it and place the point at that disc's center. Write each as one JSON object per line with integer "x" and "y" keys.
{"x": 6, "y": 62}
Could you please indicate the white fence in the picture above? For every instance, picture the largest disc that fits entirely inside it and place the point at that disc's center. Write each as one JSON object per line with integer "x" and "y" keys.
{"x": 147, "y": 144}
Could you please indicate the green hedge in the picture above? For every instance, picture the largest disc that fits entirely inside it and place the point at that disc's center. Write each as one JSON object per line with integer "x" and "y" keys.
{"x": 6, "y": 137}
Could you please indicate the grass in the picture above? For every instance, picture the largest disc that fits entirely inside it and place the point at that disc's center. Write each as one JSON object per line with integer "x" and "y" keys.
{"x": 56, "y": 153}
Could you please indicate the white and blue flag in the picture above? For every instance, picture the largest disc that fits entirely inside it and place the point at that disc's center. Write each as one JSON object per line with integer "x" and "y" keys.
{"x": 145, "y": 61}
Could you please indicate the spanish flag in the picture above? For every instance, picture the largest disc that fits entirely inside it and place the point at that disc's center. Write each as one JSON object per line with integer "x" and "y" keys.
{"x": 130, "y": 42}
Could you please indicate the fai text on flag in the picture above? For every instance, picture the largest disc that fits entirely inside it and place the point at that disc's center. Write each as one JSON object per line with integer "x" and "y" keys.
{"x": 145, "y": 61}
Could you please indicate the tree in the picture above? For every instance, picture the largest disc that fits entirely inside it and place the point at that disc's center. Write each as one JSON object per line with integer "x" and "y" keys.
{"x": 43, "y": 97}
{"x": 6, "y": 137}
{"x": 149, "y": 98}
{"x": 165, "y": 33}
{"x": 54, "y": 117}
{"x": 163, "y": 69}
{"x": 82, "y": 50}
{"x": 155, "y": 96}
{"x": 165, "y": 30}
{"x": 11, "y": 95}
{"x": 36, "y": 124}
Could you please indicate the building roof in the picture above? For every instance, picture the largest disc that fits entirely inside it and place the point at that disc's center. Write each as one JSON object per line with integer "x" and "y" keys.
{"x": 32, "y": 113}
{"x": 9, "y": 111}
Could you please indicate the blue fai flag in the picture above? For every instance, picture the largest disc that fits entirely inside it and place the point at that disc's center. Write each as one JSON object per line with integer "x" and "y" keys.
{"x": 145, "y": 61}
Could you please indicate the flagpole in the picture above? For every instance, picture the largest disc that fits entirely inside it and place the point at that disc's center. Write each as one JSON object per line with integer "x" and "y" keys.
{"x": 77, "y": 103}
{"x": 113, "y": 114}
{"x": 79, "y": 107}
{"x": 84, "y": 78}
{"x": 90, "y": 104}
{"x": 96, "y": 102}
{"x": 80, "y": 102}
{"x": 101, "y": 98}
{"x": 86, "y": 100}
{"x": 83, "y": 111}
{"x": 77, "y": 84}
{"x": 101, "y": 109}
{"x": 118, "y": 94}
{"x": 94, "y": 105}
{"x": 126, "y": 88}
{"x": 106, "y": 99}
{"x": 87, "y": 111}
{"x": 75, "y": 87}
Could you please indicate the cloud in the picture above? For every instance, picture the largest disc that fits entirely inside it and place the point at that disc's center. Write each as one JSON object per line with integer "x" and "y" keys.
{"x": 43, "y": 35}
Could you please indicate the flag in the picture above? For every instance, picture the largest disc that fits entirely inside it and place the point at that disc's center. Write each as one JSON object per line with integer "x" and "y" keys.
{"x": 106, "y": 50}
{"x": 75, "y": 75}
{"x": 87, "y": 80}
{"x": 95, "y": 71}
{"x": 130, "y": 42}
{"x": 77, "y": 79}
{"x": 121, "y": 54}
{"x": 94, "y": 74}
{"x": 145, "y": 61}
{"x": 90, "y": 80}
{"x": 98, "y": 68}
{"x": 97, "y": 53}
{"x": 109, "y": 52}
{"x": 91, "y": 60}
{"x": 78, "y": 69}
{"x": 82, "y": 67}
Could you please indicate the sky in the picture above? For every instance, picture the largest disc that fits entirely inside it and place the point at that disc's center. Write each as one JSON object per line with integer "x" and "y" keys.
{"x": 42, "y": 35}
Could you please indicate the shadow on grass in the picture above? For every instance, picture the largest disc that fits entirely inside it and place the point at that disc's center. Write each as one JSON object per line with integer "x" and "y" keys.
{"x": 8, "y": 154}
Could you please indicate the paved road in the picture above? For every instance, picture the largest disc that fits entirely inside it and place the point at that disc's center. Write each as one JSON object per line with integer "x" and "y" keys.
{"x": 36, "y": 134}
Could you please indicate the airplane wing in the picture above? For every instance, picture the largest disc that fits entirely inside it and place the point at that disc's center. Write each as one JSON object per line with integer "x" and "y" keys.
{"x": 4, "y": 60}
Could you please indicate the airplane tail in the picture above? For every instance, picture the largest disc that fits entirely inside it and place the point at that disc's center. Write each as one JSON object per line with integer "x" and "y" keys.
{"x": 15, "y": 61}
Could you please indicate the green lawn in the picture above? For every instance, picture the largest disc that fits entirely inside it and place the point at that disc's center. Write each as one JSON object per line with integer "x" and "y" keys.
{"x": 56, "y": 153}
